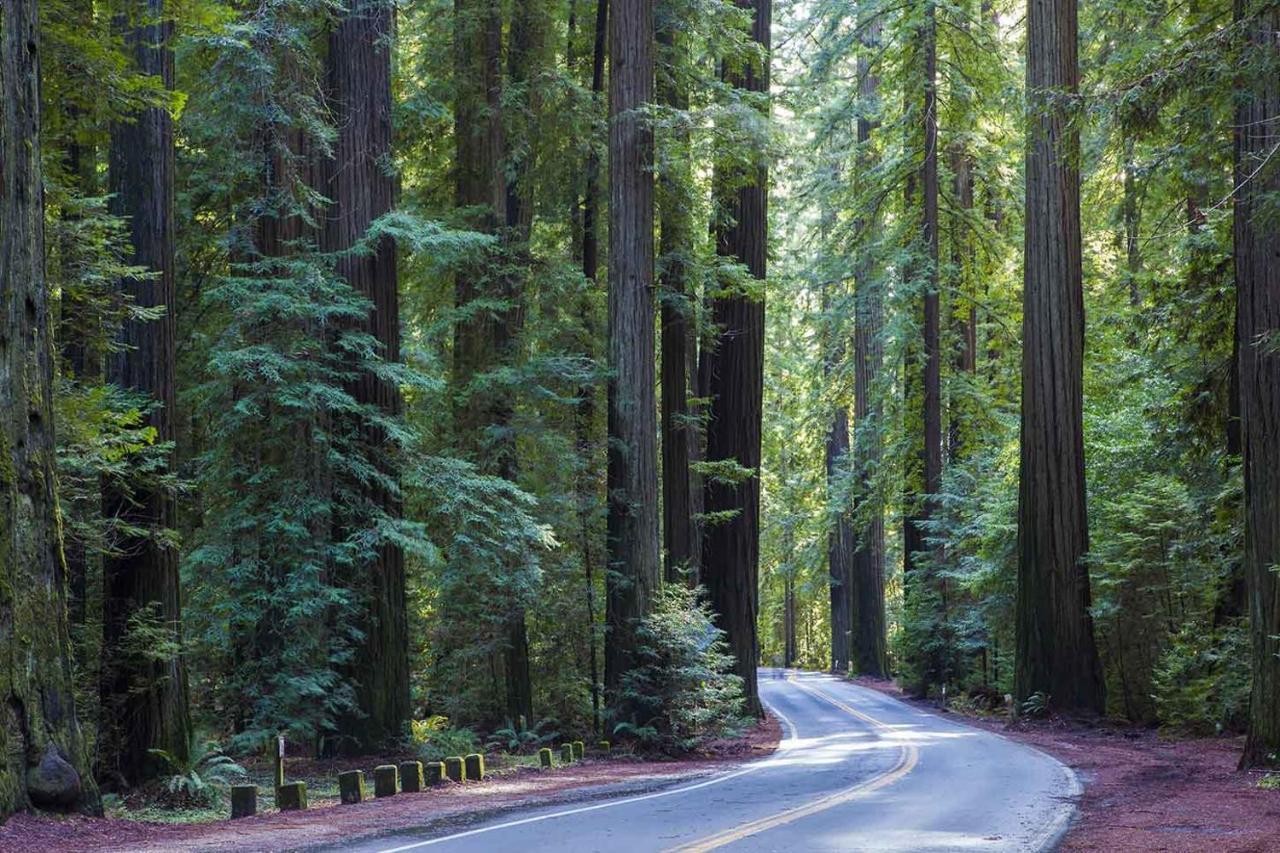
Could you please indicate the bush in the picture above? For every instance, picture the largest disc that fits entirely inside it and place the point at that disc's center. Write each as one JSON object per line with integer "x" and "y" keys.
{"x": 517, "y": 738}
{"x": 200, "y": 778}
{"x": 1202, "y": 679}
{"x": 436, "y": 740}
{"x": 683, "y": 690}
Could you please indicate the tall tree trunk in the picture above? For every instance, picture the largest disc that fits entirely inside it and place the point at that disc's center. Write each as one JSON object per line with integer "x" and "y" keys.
{"x": 735, "y": 384}
{"x": 1056, "y": 652}
{"x": 1257, "y": 270}
{"x": 362, "y": 189}
{"x": 39, "y": 712}
{"x": 633, "y": 459}
{"x": 144, "y": 699}
{"x": 523, "y": 54}
{"x": 840, "y": 538}
{"x": 585, "y": 410}
{"x": 1132, "y": 252}
{"x": 678, "y": 530}
{"x": 788, "y": 622}
{"x": 868, "y": 655}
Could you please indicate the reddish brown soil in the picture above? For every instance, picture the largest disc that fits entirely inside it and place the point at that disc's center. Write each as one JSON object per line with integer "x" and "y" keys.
{"x": 1144, "y": 792}
{"x": 332, "y": 824}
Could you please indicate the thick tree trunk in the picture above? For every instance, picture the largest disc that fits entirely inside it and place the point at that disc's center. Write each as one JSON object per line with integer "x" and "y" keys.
{"x": 930, "y": 380}
{"x": 1056, "y": 654}
{"x": 144, "y": 701}
{"x": 868, "y": 655}
{"x": 362, "y": 190}
{"x": 735, "y": 384}
{"x": 678, "y": 529}
{"x": 1257, "y": 269}
{"x": 39, "y": 722}
{"x": 633, "y": 461}
{"x": 522, "y": 56}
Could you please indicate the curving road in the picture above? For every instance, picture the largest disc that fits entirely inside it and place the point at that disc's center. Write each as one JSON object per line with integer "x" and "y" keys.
{"x": 857, "y": 770}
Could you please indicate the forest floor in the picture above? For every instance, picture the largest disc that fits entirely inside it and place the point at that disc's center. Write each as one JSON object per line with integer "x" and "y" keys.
{"x": 1143, "y": 790}
{"x": 325, "y": 822}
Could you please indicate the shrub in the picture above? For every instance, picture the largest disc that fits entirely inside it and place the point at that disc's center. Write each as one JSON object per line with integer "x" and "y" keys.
{"x": 683, "y": 690}
{"x": 515, "y": 737}
{"x": 200, "y": 778}
{"x": 436, "y": 740}
{"x": 1201, "y": 682}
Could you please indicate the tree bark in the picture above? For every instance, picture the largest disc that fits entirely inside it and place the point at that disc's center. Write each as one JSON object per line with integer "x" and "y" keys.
{"x": 679, "y": 537}
{"x": 840, "y": 538}
{"x": 1257, "y": 271}
{"x": 868, "y": 655}
{"x": 930, "y": 380}
{"x": 39, "y": 711}
{"x": 735, "y": 384}
{"x": 362, "y": 189}
{"x": 1056, "y": 653}
{"x": 144, "y": 700}
{"x": 633, "y": 574}
{"x": 585, "y": 410}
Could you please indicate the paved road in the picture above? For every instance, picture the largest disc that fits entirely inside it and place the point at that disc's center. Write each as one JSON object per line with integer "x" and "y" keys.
{"x": 857, "y": 770}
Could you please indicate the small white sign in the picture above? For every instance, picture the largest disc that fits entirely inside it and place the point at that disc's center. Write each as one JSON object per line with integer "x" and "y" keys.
{"x": 280, "y": 745}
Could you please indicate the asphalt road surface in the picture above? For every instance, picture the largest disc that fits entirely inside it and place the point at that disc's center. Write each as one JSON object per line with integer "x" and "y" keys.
{"x": 857, "y": 770}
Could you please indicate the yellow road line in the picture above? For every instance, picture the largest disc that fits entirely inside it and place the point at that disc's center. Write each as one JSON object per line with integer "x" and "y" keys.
{"x": 910, "y": 756}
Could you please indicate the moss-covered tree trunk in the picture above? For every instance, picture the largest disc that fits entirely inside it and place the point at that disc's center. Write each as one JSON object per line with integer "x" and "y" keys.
{"x": 44, "y": 761}
{"x": 362, "y": 188}
{"x": 1257, "y": 268}
{"x": 144, "y": 697}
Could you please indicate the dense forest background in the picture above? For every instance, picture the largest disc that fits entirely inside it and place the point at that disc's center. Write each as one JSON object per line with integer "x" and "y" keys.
{"x": 465, "y": 363}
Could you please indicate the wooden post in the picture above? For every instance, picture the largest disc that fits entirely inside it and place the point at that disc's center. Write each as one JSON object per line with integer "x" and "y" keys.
{"x": 544, "y": 757}
{"x": 279, "y": 761}
{"x": 453, "y": 768}
{"x": 579, "y": 749}
{"x": 475, "y": 767}
{"x": 434, "y": 771}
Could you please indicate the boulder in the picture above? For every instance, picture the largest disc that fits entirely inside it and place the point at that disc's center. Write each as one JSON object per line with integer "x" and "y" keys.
{"x": 53, "y": 783}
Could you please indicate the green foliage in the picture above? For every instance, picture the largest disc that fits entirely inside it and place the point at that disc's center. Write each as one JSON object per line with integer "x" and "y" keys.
{"x": 1037, "y": 705}
{"x": 683, "y": 688}
{"x": 1201, "y": 682}
{"x": 436, "y": 740}
{"x": 199, "y": 779}
{"x": 517, "y": 738}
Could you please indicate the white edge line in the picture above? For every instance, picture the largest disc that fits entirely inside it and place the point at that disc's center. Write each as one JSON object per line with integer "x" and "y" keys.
{"x": 792, "y": 736}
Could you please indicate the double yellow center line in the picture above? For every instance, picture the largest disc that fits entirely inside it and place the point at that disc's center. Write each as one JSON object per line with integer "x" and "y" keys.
{"x": 909, "y": 756}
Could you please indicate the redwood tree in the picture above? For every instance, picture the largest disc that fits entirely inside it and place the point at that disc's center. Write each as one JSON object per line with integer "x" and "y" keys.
{"x": 868, "y": 651}
{"x": 633, "y": 464}
{"x": 361, "y": 189}
{"x": 1257, "y": 270}
{"x": 144, "y": 698}
{"x": 679, "y": 530}
{"x": 1056, "y": 654}
{"x": 734, "y": 376}
{"x": 40, "y": 729}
